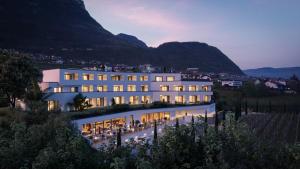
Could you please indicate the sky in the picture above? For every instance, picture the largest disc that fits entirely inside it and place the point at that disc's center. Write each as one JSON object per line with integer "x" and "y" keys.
{"x": 252, "y": 33}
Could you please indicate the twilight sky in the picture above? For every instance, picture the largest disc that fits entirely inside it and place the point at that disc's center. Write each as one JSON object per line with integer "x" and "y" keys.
{"x": 253, "y": 33}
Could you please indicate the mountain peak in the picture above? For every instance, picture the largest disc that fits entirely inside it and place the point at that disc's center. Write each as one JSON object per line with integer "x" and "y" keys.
{"x": 65, "y": 28}
{"x": 132, "y": 40}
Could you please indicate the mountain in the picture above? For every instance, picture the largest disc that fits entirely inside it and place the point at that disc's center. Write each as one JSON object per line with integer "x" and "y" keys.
{"x": 132, "y": 40}
{"x": 194, "y": 54}
{"x": 285, "y": 72}
{"x": 43, "y": 24}
{"x": 65, "y": 28}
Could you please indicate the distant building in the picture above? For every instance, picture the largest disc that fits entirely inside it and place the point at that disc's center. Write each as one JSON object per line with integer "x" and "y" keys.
{"x": 275, "y": 84}
{"x": 59, "y": 61}
{"x": 192, "y": 70}
{"x": 232, "y": 83}
{"x": 205, "y": 77}
{"x": 146, "y": 68}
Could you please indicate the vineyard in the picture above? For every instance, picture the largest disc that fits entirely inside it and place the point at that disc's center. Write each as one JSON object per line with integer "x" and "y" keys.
{"x": 275, "y": 127}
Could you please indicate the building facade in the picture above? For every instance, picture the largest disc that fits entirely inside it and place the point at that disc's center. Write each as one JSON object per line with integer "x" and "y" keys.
{"x": 232, "y": 83}
{"x": 103, "y": 88}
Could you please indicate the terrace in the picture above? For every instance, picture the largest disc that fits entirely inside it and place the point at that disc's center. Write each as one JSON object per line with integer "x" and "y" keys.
{"x": 140, "y": 133}
{"x": 126, "y": 107}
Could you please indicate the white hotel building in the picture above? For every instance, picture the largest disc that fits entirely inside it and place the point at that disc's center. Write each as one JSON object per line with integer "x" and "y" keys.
{"x": 101, "y": 88}
{"x": 125, "y": 88}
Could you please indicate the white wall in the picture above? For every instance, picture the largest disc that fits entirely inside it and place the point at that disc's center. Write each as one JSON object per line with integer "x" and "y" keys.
{"x": 66, "y": 96}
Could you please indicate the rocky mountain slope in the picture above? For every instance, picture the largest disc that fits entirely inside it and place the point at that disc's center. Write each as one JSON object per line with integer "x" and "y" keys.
{"x": 65, "y": 28}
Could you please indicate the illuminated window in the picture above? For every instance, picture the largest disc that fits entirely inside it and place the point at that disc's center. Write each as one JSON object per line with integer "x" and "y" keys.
{"x": 205, "y": 88}
{"x": 145, "y": 99}
{"x": 170, "y": 78}
{"x": 165, "y": 98}
{"x": 158, "y": 78}
{"x": 92, "y": 102}
{"x": 86, "y": 76}
{"x": 193, "y": 99}
{"x": 102, "y": 77}
{"x": 101, "y": 102}
{"x": 119, "y": 100}
{"x": 53, "y": 105}
{"x": 87, "y": 88}
{"x": 57, "y": 89}
{"x": 118, "y": 88}
{"x": 116, "y": 77}
{"x": 206, "y": 98}
{"x": 143, "y": 78}
{"x": 164, "y": 88}
{"x": 74, "y": 89}
{"x": 132, "y": 78}
{"x": 102, "y": 88}
{"x": 71, "y": 76}
{"x": 179, "y": 99}
{"x": 131, "y": 88}
{"x": 179, "y": 88}
{"x": 192, "y": 88}
{"x": 134, "y": 100}
{"x": 144, "y": 88}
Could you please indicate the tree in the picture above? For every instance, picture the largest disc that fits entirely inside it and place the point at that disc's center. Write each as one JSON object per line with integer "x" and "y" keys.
{"x": 256, "y": 106}
{"x": 237, "y": 113}
{"x": 223, "y": 119}
{"x": 17, "y": 75}
{"x": 223, "y": 115}
{"x": 165, "y": 69}
{"x": 270, "y": 106}
{"x": 216, "y": 121}
{"x": 193, "y": 132}
{"x": 119, "y": 140}
{"x": 294, "y": 77}
{"x": 177, "y": 124}
{"x": 246, "y": 107}
{"x": 102, "y": 67}
{"x": 205, "y": 122}
{"x": 155, "y": 133}
{"x": 113, "y": 101}
{"x": 80, "y": 102}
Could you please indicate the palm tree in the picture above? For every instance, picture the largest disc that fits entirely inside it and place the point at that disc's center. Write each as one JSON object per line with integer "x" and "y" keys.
{"x": 80, "y": 102}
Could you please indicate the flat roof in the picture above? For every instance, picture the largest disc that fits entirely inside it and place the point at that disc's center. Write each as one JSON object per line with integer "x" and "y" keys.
{"x": 107, "y": 71}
